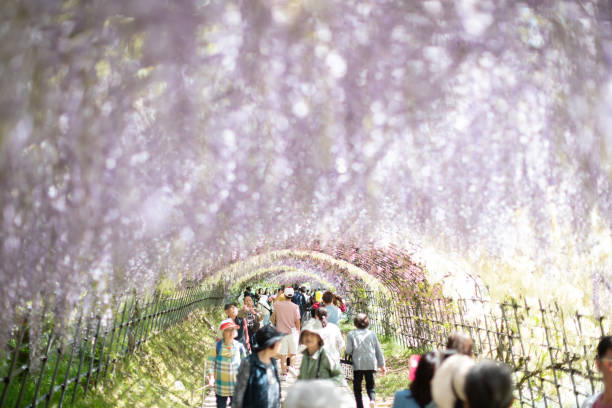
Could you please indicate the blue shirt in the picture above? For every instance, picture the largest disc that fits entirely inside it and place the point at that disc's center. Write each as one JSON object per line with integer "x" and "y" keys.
{"x": 404, "y": 399}
{"x": 333, "y": 314}
{"x": 298, "y": 299}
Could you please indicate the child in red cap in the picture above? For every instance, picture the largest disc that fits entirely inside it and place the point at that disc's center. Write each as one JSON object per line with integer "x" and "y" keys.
{"x": 225, "y": 361}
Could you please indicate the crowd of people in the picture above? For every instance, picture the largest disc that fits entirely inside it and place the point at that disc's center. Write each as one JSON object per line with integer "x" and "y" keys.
{"x": 244, "y": 372}
{"x": 243, "y": 367}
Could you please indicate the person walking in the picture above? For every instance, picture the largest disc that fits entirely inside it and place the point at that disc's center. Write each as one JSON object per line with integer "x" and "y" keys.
{"x": 309, "y": 311}
{"x": 231, "y": 311}
{"x": 306, "y": 292}
{"x": 224, "y": 362}
{"x": 489, "y": 385}
{"x": 418, "y": 395}
{"x": 604, "y": 365}
{"x": 339, "y": 302}
{"x": 298, "y": 299}
{"x": 448, "y": 382}
{"x": 364, "y": 347}
{"x": 286, "y": 318}
{"x": 316, "y": 363}
{"x": 318, "y": 295}
{"x": 280, "y": 295}
{"x": 461, "y": 343}
{"x": 258, "y": 383}
{"x": 264, "y": 307}
{"x": 332, "y": 336}
{"x": 333, "y": 312}
{"x": 252, "y": 318}
{"x": 248, "y": 292}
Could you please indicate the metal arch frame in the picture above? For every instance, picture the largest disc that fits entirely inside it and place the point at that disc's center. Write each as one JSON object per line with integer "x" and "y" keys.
{"x": 285, "y": 271}
{"x": 240, "y": 268}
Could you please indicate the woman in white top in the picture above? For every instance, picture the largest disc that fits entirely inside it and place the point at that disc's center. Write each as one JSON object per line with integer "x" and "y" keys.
{"x": 264, "y": 307}
{"x": 332, "y": 336}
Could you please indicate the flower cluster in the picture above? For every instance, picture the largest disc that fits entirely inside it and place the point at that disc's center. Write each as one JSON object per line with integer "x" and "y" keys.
{"x": 144, "y": 141}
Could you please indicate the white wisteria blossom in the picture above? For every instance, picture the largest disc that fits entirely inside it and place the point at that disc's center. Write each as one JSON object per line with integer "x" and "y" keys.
{"x": 149, "y": 140}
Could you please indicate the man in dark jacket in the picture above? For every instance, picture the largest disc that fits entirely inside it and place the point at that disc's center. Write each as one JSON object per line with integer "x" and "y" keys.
{"x": 298, "y": 299}
{"x": 258, "y": 383}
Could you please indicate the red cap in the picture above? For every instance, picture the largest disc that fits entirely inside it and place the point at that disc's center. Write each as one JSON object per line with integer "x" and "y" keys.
{"x": 228, "y": 324}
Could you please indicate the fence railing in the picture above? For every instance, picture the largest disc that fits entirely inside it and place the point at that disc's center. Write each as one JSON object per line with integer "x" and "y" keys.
{"x": 550, "y": 351}
{"x": 71, "y": 363}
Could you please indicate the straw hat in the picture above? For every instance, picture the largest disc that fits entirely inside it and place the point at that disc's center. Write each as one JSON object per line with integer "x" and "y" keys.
{"x": 448, "y": 383}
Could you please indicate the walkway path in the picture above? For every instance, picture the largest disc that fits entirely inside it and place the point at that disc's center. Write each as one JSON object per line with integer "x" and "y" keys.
{"x": 209, "y": 402}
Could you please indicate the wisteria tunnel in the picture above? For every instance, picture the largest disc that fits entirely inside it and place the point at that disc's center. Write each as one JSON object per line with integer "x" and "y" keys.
{"x": 443, "y": 165}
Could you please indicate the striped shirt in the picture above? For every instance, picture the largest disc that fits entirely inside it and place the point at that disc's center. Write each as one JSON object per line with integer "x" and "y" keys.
{"x": 224, "y": 363}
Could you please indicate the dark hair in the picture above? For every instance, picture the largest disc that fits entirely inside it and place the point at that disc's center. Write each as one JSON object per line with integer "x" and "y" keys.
{"x": 604, "y": 345}
{"x": 361, "y": 321}
{"x": 228, "y": 305}
{"x": 460, "y": 342}
{"x": 420, "y": 387}
{"x": 328, "y": 297}
{"x": 489, "y": 385}
{"x": 321, "y": 313}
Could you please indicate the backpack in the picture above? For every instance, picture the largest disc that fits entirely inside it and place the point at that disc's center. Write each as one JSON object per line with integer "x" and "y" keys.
{"x": 298, "y": 299}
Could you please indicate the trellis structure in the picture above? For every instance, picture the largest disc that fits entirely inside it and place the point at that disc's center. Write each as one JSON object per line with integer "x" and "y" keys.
{"x": 550, "y": 351}
{"x": 76, "y": 360}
